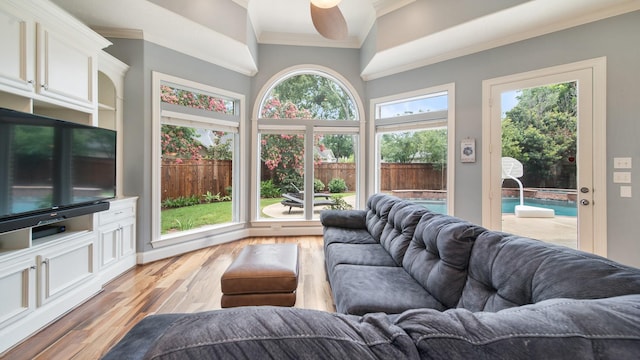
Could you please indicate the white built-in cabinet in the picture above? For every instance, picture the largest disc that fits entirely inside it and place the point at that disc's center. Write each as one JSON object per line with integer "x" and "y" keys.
{"x": 117, "y": 238}
{"x": 48, "y": 59}
{"x": 53, "y": 65}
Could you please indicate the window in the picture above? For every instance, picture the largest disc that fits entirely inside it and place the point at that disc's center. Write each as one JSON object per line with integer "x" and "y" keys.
{"x": 414, "y": 147}
{"x": 307, "y": 132}
{"x": 197, "y": 141}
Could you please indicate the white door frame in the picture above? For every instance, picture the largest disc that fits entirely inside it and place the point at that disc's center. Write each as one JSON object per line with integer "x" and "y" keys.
{"x": 591, "y": 77}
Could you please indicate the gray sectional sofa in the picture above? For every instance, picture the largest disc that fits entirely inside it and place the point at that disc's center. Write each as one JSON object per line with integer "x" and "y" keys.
{"x": 412, "y": 284}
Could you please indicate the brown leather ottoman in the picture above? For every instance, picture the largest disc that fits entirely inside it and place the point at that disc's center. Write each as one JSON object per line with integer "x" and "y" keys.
{"x": 265, "y": 274}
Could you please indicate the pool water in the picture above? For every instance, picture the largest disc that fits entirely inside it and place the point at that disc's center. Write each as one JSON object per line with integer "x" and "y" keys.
{"x": 561, "y": 208}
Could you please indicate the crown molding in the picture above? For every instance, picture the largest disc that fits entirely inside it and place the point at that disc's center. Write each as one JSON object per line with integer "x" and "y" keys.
{"x": 243, "y": 3}
{"x": 384, "y": 7}
{"x": 275, "y": 38}
{"x": 108, "y": 32}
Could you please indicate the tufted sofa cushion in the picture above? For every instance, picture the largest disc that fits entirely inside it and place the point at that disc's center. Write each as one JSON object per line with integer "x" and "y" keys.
{"x": 398, "y": 232}
{"x": 378, "y": 209}
{"x": 438, "y": 256}
{"x": 551, "y": 329}
{"x": 507, "y": 271}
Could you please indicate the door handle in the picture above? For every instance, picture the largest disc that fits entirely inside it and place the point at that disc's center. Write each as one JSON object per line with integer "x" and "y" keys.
{"x": 584, "y": 202}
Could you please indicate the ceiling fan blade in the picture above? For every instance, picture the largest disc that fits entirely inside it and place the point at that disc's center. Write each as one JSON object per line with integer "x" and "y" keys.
{"x": 329, "y": 22}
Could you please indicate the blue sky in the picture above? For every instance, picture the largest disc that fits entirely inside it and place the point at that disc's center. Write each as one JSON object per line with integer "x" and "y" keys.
{"x": 508, "y": 100}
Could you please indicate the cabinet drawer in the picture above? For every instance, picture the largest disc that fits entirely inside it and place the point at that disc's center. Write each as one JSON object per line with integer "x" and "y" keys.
{"x": 117, "y": 212}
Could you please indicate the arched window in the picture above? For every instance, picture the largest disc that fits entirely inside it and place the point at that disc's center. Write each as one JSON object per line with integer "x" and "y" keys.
{"x": 307, "y": 132}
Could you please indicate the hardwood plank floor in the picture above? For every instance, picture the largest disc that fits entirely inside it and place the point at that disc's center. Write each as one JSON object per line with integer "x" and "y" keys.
{"x": 185, "y": 283}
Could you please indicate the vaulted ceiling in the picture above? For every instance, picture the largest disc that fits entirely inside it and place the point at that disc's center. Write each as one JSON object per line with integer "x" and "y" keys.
{"x": 394, "y": 35}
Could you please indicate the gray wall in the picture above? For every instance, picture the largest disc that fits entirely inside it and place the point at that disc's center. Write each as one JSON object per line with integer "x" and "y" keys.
{"x": 144, "y": 58}
{"x": 615, "y": 38}
{"x": 275, "y": 58}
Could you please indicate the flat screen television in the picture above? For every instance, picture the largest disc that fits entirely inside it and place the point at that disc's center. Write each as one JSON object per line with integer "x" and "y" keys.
{"x": 51, "y": 169}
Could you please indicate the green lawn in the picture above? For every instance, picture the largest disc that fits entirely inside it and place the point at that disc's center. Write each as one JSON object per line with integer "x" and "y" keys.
{"x": 190, "y": 217}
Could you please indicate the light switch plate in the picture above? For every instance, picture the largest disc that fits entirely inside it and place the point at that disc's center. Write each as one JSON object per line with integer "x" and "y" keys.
{"x": 622, "y": 163}
{"x": 625, "y": 191}
{"x": 621, "y": 177}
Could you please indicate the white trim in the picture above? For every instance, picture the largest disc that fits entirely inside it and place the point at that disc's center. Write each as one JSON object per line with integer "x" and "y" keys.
{"x": 191, "y": 120}
{"x": 170, "y": 250}
{"x": 491, "y": 150}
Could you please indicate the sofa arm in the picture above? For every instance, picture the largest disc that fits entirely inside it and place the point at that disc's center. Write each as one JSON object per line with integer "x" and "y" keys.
{"x": 558, "y": 328}
{"x": 266, "y": 332}
{"x": 348, "y": 219}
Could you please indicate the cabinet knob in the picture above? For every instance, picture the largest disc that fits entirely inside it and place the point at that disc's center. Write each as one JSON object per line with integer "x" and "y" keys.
{"x": 32, "y": 267}
{"x": 45, "y": 262}
{"x": 30, "y": 82}
{"x": 45, "y": 86}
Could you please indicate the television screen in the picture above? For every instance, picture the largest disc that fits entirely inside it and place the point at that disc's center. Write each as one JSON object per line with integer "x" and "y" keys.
{"x": 48, "y": 164}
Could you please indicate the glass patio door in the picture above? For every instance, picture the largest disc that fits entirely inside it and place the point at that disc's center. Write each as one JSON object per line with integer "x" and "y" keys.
{"x": 589, "y": 159}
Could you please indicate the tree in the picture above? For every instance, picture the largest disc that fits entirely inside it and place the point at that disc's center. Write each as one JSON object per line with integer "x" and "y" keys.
{"x": 398, "y": 147}
{"x": 306, "y": 96}
{"x": 425, "y": 146}
{"x": 540, "y": 131}
{"x": 221, "y": 147}
{"x": 321, "y": 96}
{"x": 283, "y": 153}
{"x": 340, "y": 144}
{"x": 181, "y": 142}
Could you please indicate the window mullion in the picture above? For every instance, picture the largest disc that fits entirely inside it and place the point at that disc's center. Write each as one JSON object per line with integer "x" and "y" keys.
{"x": 308, "y": 171}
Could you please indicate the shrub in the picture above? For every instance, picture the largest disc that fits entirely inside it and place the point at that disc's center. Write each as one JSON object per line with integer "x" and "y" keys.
{"x": 337, "y": 185}
{"x": 291, "y": 183}
{"x": 318, "y": 185}
{"x": 339, "y": 203}
{"x": 269, "y": 190}
{"x": 209, "y": 197}
{"x": 181, "y": 201}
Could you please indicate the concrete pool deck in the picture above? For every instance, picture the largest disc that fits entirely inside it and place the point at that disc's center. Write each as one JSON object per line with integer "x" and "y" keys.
{"x": 561, "y": 230}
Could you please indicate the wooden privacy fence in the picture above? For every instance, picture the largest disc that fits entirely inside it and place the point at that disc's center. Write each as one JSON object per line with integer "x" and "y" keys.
{"x": 191, "y": 177}
{"x": 393, "y": 176}
{"x": 195, "y": 177}
{"x": 400, "y": 176}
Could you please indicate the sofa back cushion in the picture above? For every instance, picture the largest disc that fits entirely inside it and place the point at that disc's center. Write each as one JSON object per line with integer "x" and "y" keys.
{"x": 438, "y": 255}
{"x": 552, "y": 329}
{"x": 507, "y": 270}
{"x": 378, "y": 209}
{"x": 398, "y": 232}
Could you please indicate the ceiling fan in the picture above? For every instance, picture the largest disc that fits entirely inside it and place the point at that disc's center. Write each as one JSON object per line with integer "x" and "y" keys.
{"x": 328, "y": 19}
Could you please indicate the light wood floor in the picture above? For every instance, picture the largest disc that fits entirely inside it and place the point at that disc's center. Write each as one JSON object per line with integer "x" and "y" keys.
{"x": 186, "y": 283}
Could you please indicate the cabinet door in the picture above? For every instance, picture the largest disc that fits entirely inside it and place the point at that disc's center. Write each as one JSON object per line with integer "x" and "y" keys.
{"x": 109, "y": 239}
{"x": 65, "y": 72}
{"x": 17, "y": 54}
{"x": 127, "y": 239}
{"x": 64, "y": 268}
{"x": 17, "y": 282}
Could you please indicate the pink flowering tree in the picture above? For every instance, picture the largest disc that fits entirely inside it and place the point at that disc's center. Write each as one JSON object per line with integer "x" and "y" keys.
{"x": 283, "y": 154}
{"x": 179, "y": 142}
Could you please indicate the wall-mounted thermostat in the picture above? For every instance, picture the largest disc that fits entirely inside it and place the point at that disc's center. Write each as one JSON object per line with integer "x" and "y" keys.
{"x": 468, "y": 150}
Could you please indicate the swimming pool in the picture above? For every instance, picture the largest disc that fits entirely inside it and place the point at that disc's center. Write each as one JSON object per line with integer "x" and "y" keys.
{"x": 561, "y": 208}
